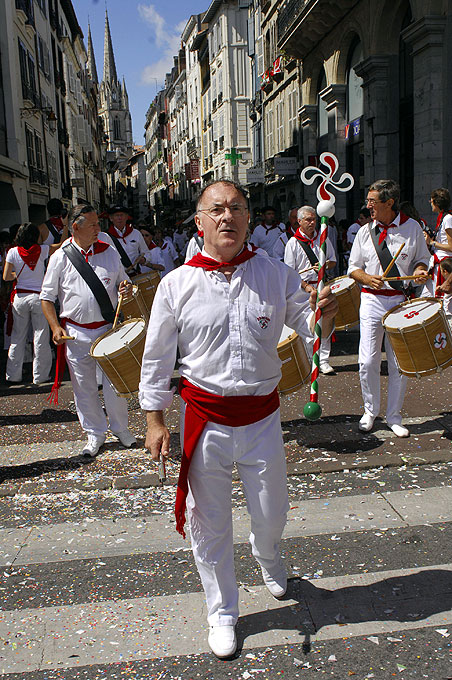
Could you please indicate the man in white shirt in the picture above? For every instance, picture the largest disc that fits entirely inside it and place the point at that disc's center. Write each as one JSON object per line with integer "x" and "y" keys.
{"x": 81, "y": 319}
{"x": 128, "y": 241}
{"x": 363, "y": 218}
{"x": 168, "y": 254}
{"x": 392, "y": 228}
{"x": 303, "y": 247}
{"x": 264, "y": 236}
{"x": 225, "y": 312}
{"x": 281, "y": 241}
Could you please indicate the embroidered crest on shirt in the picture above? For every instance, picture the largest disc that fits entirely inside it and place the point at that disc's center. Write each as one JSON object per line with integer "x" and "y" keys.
{"x": 106, "y": 281}
{"x": 263, "y": 321}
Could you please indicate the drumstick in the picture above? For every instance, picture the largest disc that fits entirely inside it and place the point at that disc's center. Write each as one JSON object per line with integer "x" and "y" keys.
{"x": 162, "y": 470}
{"x": 388, "y": 268}
{"x": 406, "y": 278}
{"x": 118, "y": 308}
{"x": 308, "y": 269}
{"x": 67, "y": 337}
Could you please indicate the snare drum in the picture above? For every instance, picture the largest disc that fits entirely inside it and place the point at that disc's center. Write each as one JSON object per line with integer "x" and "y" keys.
{"x": 118, "y": 353}
{"x": 296, "y": 367}
{"x": 147, "y": 284}
{"x": 420, "y": 336}
{"x": 135, "y": 306}
{"x": 348, "y": 297}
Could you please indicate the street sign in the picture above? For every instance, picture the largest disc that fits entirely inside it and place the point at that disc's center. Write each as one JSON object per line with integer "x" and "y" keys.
{"x": 286, "y": 165}
{"x": 255, "y": 176}
{"x": 194, "y": 168}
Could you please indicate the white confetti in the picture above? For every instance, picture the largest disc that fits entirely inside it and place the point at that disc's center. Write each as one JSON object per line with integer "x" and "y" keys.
{"x": 374, "y": 639}
{"x": 443, "y": 631}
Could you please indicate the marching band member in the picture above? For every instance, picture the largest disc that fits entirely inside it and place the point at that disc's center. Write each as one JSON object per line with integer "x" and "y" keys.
{"x": 302, "y": 253}
{"x": 83, "y": 319}
{"x": 224, "y": 311}
{"x": 281, "y": 241}
{"x": 265, "y": 235}
{"x": 373, "y": 248}
{"x": 441, "y": 243}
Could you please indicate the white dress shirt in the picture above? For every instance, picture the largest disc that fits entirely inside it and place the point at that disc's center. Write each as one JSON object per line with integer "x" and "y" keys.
{"x": 352, "y": 231}
{"x": 441, "y": 237}
{"x": 227, "y": 333}
{"x": 63, "y": 281}
{"x": 295, "y": 257}
{"x": 192, "y": 249}
{"x": 134, "y": 245}
{"x": 280, "y": 246}
{"x": 364, "y": 256}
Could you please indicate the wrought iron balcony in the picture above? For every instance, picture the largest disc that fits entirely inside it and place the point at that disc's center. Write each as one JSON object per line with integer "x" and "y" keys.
{"x": 302, "y": 24}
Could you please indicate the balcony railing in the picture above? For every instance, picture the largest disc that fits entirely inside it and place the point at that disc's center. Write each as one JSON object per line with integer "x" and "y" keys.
{"x": 288, "y": 14}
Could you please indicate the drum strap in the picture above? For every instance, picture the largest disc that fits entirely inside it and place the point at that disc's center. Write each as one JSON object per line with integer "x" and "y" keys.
{"x": 53, "y": 230}
{"x": 312, "y": 257}
{"x": 199, "y": 240}
{"x": 125, "y": 259}
{"x": 92, "y": 280}
{"x": 385, "y": 257}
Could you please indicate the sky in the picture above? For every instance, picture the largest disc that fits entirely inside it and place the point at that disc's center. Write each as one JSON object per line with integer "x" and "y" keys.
{"x": 146, "y": 36}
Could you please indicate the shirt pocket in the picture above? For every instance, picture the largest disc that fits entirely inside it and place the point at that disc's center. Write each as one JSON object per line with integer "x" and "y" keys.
{"x": 261, "y": 322}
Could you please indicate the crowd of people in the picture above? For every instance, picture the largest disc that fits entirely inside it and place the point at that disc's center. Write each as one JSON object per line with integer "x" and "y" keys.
{"x": 226, "y": 292}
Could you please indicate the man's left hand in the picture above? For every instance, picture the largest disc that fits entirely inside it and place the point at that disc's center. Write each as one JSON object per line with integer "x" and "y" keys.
{"x": 421, "y": 275}
{"x": 125, "y": 289}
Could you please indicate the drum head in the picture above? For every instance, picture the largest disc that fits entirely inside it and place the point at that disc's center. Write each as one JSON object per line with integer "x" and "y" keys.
{"x": 286, "y": 331}
{"x": 341, "y": 283}
{"x": 413, "y": 313}
{"x": 117, "y": 339}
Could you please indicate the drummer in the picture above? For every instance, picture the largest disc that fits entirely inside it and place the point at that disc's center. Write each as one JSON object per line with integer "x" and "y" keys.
{"x": 302, "y": 254}
{"x": 130, "y": 243}
{"x": 388, "y": 231}
{"x": 82, "y": 320}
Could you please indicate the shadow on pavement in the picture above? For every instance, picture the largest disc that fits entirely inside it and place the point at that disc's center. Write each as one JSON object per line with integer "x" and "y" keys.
{"x": 409, "y": 598}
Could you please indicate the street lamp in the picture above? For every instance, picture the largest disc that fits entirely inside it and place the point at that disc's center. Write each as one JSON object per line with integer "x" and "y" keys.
{"x": 27, "y": 111}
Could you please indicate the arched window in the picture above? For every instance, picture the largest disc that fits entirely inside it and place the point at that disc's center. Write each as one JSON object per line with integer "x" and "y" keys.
{"x": 322, "y": 120}
{"x": 117, "y": 128}
{"x": 354, "y": 82}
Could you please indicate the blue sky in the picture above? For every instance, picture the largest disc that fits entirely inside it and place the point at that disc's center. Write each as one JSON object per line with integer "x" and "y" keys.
{"x": 145, "y": 37}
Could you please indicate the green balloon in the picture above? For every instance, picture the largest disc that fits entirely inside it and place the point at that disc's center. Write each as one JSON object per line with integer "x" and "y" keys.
{"x": 312, "y": 410}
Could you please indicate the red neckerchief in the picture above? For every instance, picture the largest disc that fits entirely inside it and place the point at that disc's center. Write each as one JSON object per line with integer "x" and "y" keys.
{"x": 57, "y": 223}
{"x": 305, "y": 239}
{"x": 204, "y": 407}
{"x": 384, "y": 228}
{"x": 210, "y": 264}
{"x": 200, "y": 233}
{"x": 152, "y": 245}
{"x": 94, "y": 249}
{"x": 114, "y": 232}
{"x": 163, "y": 246}
{"x": 441, "y": 216}
{"x": 30, "y": 255}
{"x": 289, "y": 231}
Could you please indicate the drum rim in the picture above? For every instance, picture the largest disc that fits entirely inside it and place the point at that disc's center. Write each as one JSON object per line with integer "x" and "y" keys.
{"x": 113, "y": 330}
{"x": 147, "y": 275}
{"x": 337, "y": 278}
{"x": 404, "y": 304}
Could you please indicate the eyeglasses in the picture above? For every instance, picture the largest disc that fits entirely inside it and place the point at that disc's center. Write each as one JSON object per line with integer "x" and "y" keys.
{"x": 372, "y": 201}
{"x": 217, "y": 211}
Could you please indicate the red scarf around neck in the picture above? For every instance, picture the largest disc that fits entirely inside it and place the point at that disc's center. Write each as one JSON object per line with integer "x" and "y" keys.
{"x": 209, "y": 264}
{"x": 30, "y": 255}
{"x": 300, "y": 236}
{"x": 202, "y": 407}
{"x": 57, "y": 223}
{"x": 441, "y": 216}
{"x": 114, "y": 232}
{"x": 384, "y": 228}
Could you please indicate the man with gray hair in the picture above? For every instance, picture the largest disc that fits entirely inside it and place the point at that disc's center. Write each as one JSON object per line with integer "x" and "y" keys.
{"x": 82, "y": 320}
{"x": 302, "y": 254}
{"x": 374, "y": 247}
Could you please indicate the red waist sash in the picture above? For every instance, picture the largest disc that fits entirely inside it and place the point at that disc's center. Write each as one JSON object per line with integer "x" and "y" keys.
{"x": 382, "y": 291}
{"x": 203, "y": 407}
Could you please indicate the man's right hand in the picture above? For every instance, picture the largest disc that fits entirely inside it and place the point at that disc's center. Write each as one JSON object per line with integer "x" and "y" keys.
{"x": 59, "y": 336}
{"x": 157, "y": 436}
{"x": 374, "y": 281}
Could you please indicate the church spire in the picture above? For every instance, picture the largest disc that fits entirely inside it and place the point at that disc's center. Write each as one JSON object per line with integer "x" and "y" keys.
{"x": 92, "y": 70}
{"x": 109, "y": 58}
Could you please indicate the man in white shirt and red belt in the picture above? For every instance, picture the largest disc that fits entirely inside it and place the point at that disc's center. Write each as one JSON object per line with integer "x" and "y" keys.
{"x": 307, "y": 240}
{"x": 81, "y": 318}
{"x": 377, "y": 296}
{"x": 224, "y": 311}
{"x": 132, "y": 242}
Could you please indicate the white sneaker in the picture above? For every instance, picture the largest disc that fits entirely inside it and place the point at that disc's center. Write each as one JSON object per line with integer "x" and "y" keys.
{"x": 222, "y": 641}
{"x": 93, "y": 445}
{"x": 366, "y": 423}
{"x": 399, "y": 430}
{"x": 325, "y": 368}
{"x": 276, "y": 585}
{"x": 126, "y": 438}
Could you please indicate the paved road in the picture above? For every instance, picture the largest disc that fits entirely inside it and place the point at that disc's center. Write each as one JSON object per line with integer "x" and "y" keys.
{"x": 96, "y": 583}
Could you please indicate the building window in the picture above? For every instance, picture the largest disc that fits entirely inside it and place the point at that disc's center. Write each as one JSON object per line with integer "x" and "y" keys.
{"x": 354, "y": 90}
{"x": 117, "y": 128}
{"x": 27, "y": 74}
{"x": 322, "y": 124}
{"x": 280, "y": 125}
{"x": 269, "y": 130}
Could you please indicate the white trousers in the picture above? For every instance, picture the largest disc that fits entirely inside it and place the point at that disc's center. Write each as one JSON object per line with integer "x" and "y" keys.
{"x": 82, "y": 368}
{"x": 258, "y": 451}
{"x": 27, "y": 309}
{"x": 371, "y": 312}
